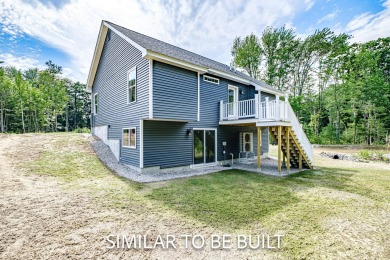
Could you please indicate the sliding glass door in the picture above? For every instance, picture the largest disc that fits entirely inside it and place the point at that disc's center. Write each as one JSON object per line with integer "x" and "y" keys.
{"x": 204, "y": 146}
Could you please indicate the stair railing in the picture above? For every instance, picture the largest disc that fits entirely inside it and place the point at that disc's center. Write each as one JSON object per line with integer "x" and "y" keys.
{"x": 302, "y": 138}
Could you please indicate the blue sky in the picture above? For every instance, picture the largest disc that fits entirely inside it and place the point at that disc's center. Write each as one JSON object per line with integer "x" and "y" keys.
{"x": 65, "y": 31}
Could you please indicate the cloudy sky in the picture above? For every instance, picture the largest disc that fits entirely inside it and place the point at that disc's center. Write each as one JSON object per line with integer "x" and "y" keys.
{"x": 65, "y": 31}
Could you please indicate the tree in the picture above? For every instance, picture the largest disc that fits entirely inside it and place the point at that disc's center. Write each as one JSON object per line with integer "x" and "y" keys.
{"x": 247, "y": 54}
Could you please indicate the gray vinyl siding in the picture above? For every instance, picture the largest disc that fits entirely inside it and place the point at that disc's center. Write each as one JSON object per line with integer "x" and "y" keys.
{"x": 175, "y": 92}
{"x": 166, "y": 144}
{"x": 264, "y": 95}
{"x": 118, "y": 57}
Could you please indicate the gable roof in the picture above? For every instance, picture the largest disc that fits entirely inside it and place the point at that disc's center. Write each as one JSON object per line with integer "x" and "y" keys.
{"x": 153, "y": 48}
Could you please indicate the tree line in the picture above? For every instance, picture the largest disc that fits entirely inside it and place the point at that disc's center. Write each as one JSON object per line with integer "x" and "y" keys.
{"x": 41, "y": 101}
{"x": 339, "y": 90}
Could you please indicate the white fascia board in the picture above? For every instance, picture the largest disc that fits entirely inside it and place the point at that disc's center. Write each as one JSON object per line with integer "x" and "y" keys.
{"x": 136, "y": 45}
{"x": 229, "y": 76}
{"x": 96, "y": 57}
{"x": 169, "y": 60}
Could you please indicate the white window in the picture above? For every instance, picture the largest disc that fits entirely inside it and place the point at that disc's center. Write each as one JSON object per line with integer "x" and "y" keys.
{"x": 129, "y": 137}
{"x": 246, "y": 142}
{"x": 132, "y": 85}
{"x": 210, "y": 79}
{"x": 95, "y": 103}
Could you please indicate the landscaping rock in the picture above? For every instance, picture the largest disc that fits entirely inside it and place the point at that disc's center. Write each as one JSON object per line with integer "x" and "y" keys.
{"x": 340, "y": 156}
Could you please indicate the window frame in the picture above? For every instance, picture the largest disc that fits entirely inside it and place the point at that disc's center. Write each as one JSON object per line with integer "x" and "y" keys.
{"x": 206, "y": 76}
{"x": 128, "y": 87}
{"x": 242, "y": 142}
{"x": 95, "y": 103}
{"x": 135, "y": 139}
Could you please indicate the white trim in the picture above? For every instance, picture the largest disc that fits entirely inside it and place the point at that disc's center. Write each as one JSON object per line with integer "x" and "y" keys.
{"x": 127, "y": 84}
{"x": 168, "y": 120}
{"x": 136, "y": 45}
{"x": 96, "y": 56}
{"x": 254, "y": 121}
{"x": 94, "y": 103}
{"x": 216, "y": 146}
{"x": 229, "y": 76}
{"x": 135, "y": 139}
{"x": 198, "y": 115}
{"x": 169, "y": 60}
{"x": 235, "y": 89}
{"x": 150, "y": 89}
{"x": 206, "y": 76}
{"x": 141, "y": 143}
{"x": 148, "y": 54}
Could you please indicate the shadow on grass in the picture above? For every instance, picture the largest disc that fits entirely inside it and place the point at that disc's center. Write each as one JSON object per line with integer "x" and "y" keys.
{"x": 236, "y": 199}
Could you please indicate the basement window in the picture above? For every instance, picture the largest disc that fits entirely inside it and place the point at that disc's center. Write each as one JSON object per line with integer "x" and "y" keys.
{"x": 246, "y": 142}
{"x": 129, "y": 137}
{"x": 210, "y": 79}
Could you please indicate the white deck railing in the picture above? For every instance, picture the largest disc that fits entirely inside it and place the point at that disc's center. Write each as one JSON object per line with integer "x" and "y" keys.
{"x": 274, "y": 110}
{"x": 237, "y": 110}
{"x": 251, "y": 108}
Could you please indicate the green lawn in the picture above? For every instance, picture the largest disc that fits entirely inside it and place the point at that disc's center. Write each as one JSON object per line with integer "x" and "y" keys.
{"x": 335, "y": 211}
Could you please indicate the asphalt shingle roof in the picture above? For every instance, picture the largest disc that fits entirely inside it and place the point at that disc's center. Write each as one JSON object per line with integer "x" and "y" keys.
{"x": 170, "y": 50}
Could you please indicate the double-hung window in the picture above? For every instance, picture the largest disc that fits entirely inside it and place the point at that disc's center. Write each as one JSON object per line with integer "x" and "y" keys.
{"x": 95, "y": 103}
{"x": 132, "y": 85}
{"x": 129, "y": 137}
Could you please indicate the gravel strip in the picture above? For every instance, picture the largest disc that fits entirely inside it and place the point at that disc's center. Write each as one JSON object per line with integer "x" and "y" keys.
{"x": 268, "y": 166}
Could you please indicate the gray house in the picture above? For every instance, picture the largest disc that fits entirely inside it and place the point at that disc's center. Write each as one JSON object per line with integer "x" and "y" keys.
{"x": 159, "y": 106}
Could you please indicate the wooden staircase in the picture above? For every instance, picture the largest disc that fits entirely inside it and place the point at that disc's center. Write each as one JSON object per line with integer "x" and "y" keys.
{"x": 298, "y": 157}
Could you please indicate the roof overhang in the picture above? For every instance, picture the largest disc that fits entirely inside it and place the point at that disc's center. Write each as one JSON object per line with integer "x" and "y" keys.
{"x": 176, "y": 62}
{"x": 148, "y": 54}
{"x": 99, "y": 49}
{"x": 96, "y": 56}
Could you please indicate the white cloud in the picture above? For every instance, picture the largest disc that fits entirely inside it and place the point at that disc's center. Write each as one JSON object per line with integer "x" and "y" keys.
{"x": 366, "y": 27}
{"x": 360, "y": 21}
{"x": 20, "y": 62}
{"x": 309, "y": 4}
{"x": 205, "y": 27}
{"x": 328, "y": 17}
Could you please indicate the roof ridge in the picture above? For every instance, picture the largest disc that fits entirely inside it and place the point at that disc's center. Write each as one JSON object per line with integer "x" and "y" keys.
{"x": 144, "y": 41}
{"x": 169, "y": 44}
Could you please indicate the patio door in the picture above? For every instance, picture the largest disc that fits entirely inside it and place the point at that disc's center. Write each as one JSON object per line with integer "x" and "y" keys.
{"x": 205, "y": 147}
{"x": 232, "y": 99}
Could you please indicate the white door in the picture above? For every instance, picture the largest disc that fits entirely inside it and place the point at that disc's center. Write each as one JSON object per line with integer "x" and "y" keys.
{"x": 232, "y": 101}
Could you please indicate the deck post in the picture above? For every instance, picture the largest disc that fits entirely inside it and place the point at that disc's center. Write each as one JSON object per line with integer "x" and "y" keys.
{"x": 277, "y": 109}
{"x": 288, "y": 148}
{"x": 300, "y": 160}
{"x": 279, "y": 149}
{"x": 256, "y": 105}
{"x": 258, "y": 147}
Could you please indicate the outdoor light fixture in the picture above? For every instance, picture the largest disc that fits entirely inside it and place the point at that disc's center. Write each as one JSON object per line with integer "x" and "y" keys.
{"x": 189, "y": 132}
{"x": 242, "y": 92}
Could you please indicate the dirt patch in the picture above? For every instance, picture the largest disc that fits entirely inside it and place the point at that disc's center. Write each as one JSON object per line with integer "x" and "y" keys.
{"x": 44, "y": 214}
{"x": 46, "y": 217}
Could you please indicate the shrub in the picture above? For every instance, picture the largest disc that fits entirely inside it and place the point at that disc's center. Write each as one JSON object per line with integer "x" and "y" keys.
{"x": 82, "y": 130}
{"x": 365, "y": 154}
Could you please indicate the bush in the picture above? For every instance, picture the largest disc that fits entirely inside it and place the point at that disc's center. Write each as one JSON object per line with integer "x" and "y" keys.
{"x": 82, "y": 130}
{"x": 365, "y": 154}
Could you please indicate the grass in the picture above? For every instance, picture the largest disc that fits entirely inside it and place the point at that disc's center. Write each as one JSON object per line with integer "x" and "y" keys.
{"x": 307, "y": 207}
